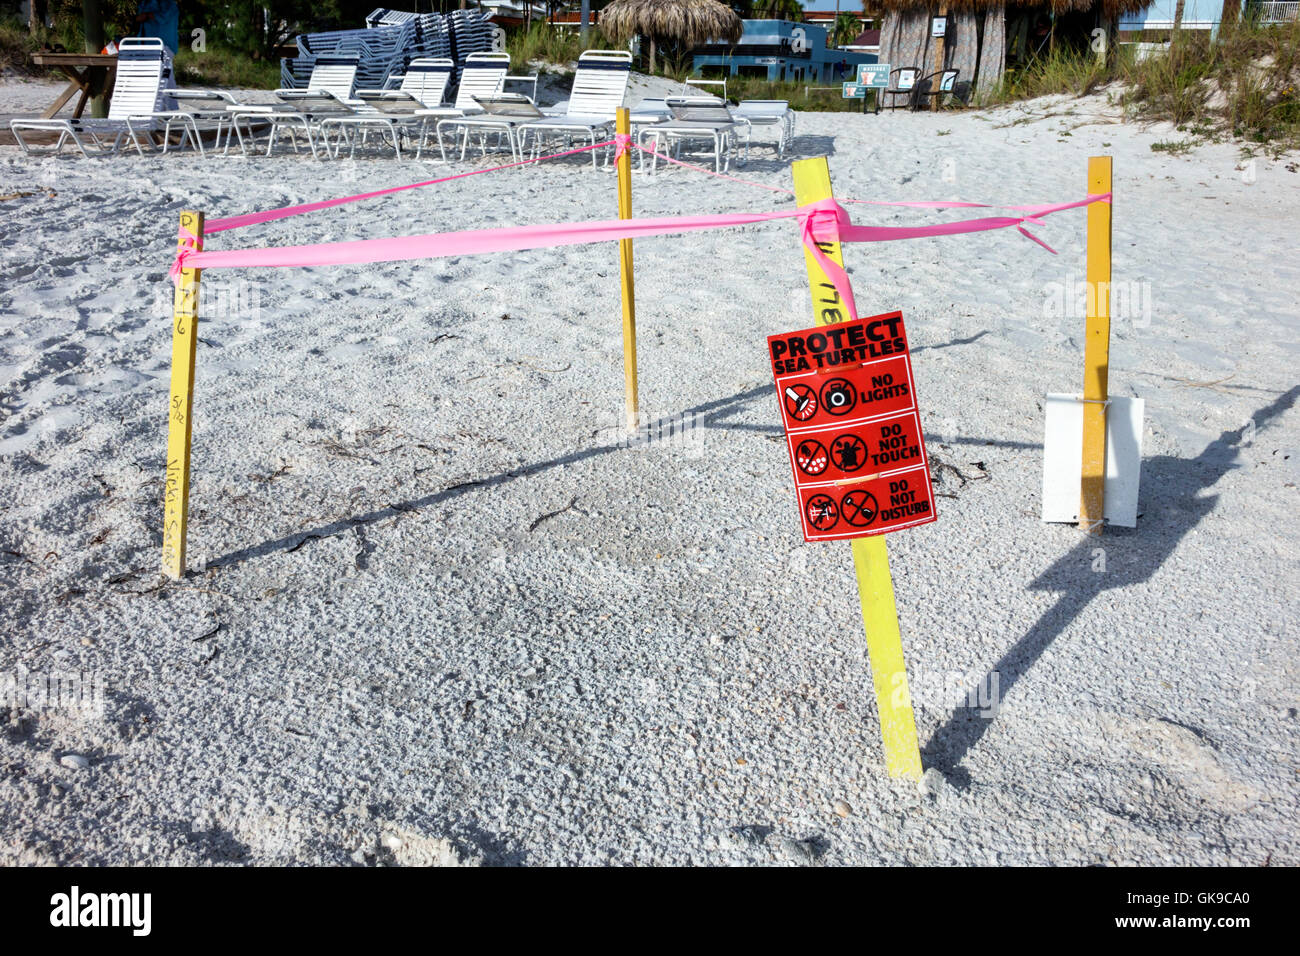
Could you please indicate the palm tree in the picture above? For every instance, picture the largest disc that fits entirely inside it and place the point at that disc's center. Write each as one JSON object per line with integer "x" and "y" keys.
{"x": 845, "y": 30}
{"x": 779, "y": 9}
{"x": 687, "y": 23}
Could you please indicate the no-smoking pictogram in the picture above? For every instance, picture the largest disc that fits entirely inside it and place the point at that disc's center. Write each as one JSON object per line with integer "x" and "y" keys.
{"x": 811, "y": 456}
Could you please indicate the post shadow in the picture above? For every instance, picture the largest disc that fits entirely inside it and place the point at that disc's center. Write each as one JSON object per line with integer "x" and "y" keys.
{"x": 715, "y": 414}
{"x": 1176, "y": 482}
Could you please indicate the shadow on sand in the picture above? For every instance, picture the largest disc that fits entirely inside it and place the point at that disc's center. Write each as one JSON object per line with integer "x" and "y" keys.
{"x": 1132, "y": 557}
{"x": 717, "y": 414}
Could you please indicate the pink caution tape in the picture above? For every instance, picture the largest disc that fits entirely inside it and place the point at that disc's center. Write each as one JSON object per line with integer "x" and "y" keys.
{"x": 828, "y": 221}
{"x": 822, "y": 221}
{"x": 622, "y": 143}
{"x": 254, "y": 218}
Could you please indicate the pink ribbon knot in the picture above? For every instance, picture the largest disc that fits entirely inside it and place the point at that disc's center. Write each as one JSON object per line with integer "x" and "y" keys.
{"x": 824, "y": 221}
{"x": 189, "y": 245}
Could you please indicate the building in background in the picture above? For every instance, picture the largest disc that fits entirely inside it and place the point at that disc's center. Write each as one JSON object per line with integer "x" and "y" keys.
{"x": 512, "y": 13}
{"x": 1201, "y": 15}
{"x": 868, "y": 41}
{"x": 826, "y": 18}
{"x": 570, "y": 21}
{"x": 781, "y": 50}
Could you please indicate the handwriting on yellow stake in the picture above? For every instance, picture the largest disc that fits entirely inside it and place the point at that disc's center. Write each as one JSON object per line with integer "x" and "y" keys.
{"x": 180, "y": 419}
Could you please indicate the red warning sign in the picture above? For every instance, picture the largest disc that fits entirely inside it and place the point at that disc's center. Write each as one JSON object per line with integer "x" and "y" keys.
{"x": 839, "y": 452}
{"x": 827, "y": 397}
{"x": 854, "y": 434}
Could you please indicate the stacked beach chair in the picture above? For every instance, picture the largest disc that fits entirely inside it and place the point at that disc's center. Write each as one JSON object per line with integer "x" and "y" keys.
{"x": 388, "y": 44}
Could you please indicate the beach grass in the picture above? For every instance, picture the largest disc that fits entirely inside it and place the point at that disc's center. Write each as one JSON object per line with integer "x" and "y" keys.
{"x": 218, "y": 66}
{"x": 1244, "y": 83}
{"x": 1062, "y": 71}
{"x": 558, "y": 47}
{"x": 15, "y": 45}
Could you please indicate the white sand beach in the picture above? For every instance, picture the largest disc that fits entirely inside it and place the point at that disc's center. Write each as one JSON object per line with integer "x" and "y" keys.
{"x": 439, "y": 612}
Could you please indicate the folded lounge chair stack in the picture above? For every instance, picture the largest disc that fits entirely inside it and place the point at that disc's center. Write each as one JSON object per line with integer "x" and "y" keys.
{"x": 383, "y": 17}
{"x": 391, "y": 42}
{"x": 378, "y": 53}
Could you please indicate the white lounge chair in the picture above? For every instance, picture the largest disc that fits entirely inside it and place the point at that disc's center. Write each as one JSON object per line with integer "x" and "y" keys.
{"x": 598, "y": 90}
{"x": 140, "y": 78}
{"x": 328, "y": 93}
{"x": 646, "y": 113}
{"x": 421, "y": 88}
{"x": 767, "y": 113}
{"x": 197, "y": 112}
{"x": 696, "y": 118}
{"x": 335, "y": 74}
{"x": 503, "y": 114}
{"x": 425, "y": 80}
{"x": 484, "y": 74}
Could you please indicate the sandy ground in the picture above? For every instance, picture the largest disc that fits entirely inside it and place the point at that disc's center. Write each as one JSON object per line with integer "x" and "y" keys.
{"x": 438, "y": 612}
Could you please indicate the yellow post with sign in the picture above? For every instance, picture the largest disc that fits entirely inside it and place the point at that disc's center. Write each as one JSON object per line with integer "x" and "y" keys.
{"x": 622, "y": 125}
{"x": 812, "y": 181}
{"x": 1096, "y": 353}
{"x": 180, "y": 418}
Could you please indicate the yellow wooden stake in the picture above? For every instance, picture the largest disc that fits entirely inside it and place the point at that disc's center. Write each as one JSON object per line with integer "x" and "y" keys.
{"x": 1096, "y": 353}
{"x": 812, "y": 181}
{"x": 622, "y": 125}
{"x": 185, "y": 321}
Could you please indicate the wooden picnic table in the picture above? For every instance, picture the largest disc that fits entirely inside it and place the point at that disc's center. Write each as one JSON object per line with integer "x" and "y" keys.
{"x": 90, "y": 74}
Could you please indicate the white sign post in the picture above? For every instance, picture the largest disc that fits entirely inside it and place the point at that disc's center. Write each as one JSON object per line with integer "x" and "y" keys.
{"x": 1063, "y": 459}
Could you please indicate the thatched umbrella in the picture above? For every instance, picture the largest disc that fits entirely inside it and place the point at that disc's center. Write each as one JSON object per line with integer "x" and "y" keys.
{"x": 689, "y": 22}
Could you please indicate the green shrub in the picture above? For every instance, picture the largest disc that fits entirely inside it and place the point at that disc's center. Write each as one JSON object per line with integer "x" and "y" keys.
{"x": 219, "y": 66}
{"x": 1063, "y": 71}
{"x": 558, "y": 47}
{"x": 1244, "y": 82}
